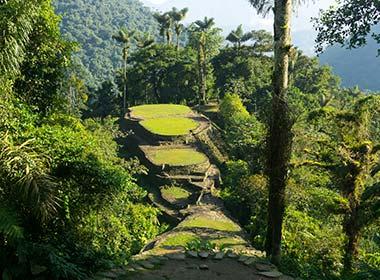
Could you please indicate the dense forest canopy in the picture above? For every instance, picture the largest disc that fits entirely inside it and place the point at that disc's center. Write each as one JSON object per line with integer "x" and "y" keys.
{"x": 75, "y": 197}
{"x": 92, "y": 23}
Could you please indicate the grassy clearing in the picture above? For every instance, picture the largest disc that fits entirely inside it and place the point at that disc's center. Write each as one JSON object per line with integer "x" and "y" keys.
{"x": 206, "y": 222}
{"x": 229, "y": 242}
{"x": 176, "y": 156}
{"x": 159, "y": 110}
{"x": 198, "y": 243}
{"x": 179, "y": 239}
{"x": 170, "y": 126}
{"x": 175, "y": 193}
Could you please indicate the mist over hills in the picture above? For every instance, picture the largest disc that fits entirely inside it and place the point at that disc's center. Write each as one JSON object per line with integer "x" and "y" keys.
{"x": 357, "y": 67}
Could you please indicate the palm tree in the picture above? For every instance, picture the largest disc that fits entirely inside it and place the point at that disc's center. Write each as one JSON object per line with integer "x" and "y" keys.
{"x": 166, "y": 22}
{"x": 25, "y": 180}
{"x": 238, "y": 37}
{"x": 263, "y": 41}
{"x": 15, "y": 32}
{"x": 202, "y": 27}
{"x": 124, "y": 37}
{"x": 280, "y": 136}
{"x": 144, "y": 40}
{"x": 178, "y": 16}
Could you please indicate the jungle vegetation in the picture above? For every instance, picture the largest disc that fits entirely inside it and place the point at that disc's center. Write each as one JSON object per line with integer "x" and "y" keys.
{"x": 298, "y": 143}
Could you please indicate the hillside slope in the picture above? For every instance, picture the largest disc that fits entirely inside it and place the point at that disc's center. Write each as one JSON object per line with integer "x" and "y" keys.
{"x": 92, "y": 23}
{"x": 357, "y": 66}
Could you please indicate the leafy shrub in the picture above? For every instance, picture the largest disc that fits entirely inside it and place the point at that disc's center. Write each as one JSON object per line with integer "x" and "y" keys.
{"x": 119, "y": 230}
{"x": 312, "y": 247}
{"x": 246, "y": 197}
{"x": 99, "y": 217}
{"x": 243, "y": 133}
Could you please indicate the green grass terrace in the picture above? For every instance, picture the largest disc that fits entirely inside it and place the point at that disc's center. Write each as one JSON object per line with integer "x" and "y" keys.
{"x": 152, "y": 111}
{"x": 173, "y": 156}
{"x": 170, "y": 126}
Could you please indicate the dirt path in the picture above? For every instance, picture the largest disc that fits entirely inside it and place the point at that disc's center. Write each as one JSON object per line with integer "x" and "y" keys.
{"x": 194, "y": 269}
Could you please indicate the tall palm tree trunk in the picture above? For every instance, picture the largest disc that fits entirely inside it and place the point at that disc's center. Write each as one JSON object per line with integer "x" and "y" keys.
{"x": 125, "y": 89}
{"x": 202, "y": 75}
{"x": 280, "y": 136}
{"x": 177, "y": 40}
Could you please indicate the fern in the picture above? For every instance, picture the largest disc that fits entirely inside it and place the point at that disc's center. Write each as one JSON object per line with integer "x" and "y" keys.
{"x": 10, "y": 225}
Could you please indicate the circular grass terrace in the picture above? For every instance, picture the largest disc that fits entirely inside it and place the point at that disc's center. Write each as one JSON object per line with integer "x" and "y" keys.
{"x": 175, "y": 156}
{"x": 175, "y": 195}
{"x": 152, "y": 111}
{"x": 170, "y": 126}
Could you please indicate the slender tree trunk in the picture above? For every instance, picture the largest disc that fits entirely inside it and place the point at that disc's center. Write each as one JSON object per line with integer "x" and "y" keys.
{"x": 177, "y": 43}
{"x": 202, "y": 73}
{"x": 280, "y": 135}
{"x": 125, "y": 87}
{"x": 168, "y": 37}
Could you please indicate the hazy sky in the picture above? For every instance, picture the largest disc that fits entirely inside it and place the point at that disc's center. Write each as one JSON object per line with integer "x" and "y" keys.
{"x": 229, "y": 13}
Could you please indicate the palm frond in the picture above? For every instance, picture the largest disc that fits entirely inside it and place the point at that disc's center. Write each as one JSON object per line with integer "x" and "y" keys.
{"x": 25, "y": 173}
{"x": 10, "y": 224}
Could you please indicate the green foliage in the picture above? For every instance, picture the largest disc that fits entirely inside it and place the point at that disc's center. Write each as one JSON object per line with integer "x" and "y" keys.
{"x": 10, "y": 225}
{"x": 105, "y": 101}
{"x": 119, "y": 230}
{"x": 162, "y": 74}
{"x": 48, "y": 55}
{"x": 243, "y": 133}
{"x": 200, "y": 245}
{"x": 26, "y": 181}
{"x": 92, "y": 24}
{"x": 345, "y": 25}
{"x": 312, "y": 247}
{"x": 78, "y": 193}
{"x": 246, "y": 196}
{"x": 245, "y": 74}
{"x": 16, "y": 31}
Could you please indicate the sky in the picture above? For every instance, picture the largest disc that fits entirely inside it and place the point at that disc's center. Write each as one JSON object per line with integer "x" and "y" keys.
{"x": 229, "y": 14}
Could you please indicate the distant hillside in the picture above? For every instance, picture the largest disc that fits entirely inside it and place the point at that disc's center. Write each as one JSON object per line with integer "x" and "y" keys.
{"x": 92, "y": 23}
{"x": 356, "y": 67}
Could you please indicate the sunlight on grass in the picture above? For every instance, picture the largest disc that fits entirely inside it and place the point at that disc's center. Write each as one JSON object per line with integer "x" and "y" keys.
{"x": 176, "y": 156}
{"x": 179, "y": 239}
{"x": 228, "y": 242}
{"x": 170, "y": 126}
{"x": 159, "y": 111}
{"x": 205, "y": 222}
{"x": 175, "y": 193}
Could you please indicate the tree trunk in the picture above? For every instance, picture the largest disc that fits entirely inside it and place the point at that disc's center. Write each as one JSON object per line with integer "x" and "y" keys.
{"x": 351, "y": 224}
{"x": 280, "y": 135}
{"x": 125, "y": 88}
{"x": 351, "y": 248}
{"x": 168, "y": 37}
{"x": 202, "y": 73}
{"x": 177, "y": 43}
